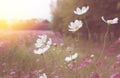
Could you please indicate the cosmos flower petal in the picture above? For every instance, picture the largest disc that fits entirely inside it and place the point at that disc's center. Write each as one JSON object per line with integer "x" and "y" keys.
{"x": 43, "y": 37}
{"x": 43, "y": 76}
{"x": 71, "y": 57}
{"x": 42, "y": 44}
{"x": 103, "y": 19}
{"x": 74, "y": 26}
{"x": 39, "y": 51}
{"x": 67, "y": 59}
{"x": 72, "y": 30}
{"x": 71, "y": 26}
{"x": 76, "y": 21}
{"x": 38, "y": 40}
{"x": 74, "y": 56}
{"x": 85, "y": 9}
{"x": 81, "y": 11}
{"x": 79, "y": 23}
{"x": 75, "y": 12}
{"x": 49, "y": 41}
{"x": 113, "y": 21}
{"x": 38, "y": 45}
{"x": 78, "y": 9}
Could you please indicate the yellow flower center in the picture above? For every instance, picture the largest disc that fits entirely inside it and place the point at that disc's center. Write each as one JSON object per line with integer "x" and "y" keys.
{"x": 43, "y": 43}
{"x": 76, "y": 27}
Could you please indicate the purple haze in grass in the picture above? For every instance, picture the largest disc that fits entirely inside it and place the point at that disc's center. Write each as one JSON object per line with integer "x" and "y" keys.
{"x": 3, "y": 44}
{"x": 99, "y": 63}
{"x": 75, "y": 66}
{"x": 112, "y": 47}
{"x": 85, "y": 62}
{"x": 95, "y": 75}
{"x": 115, "y": 75}
{"x": 118, "y": 57}
{"x": 117, "y": 41}
{"x": 72, "y": 66}
{"x": 117, "y": 63}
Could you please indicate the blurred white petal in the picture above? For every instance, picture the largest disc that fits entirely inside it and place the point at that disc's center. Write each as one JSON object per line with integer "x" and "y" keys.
{"x": 71, "y": 57}
{"x": 81, "y": 11}
{"x": 113, "y": 21}
{"x": 42, "y": 44}
{"x": 74, "y": 26}
{"x": 43, "y": 76}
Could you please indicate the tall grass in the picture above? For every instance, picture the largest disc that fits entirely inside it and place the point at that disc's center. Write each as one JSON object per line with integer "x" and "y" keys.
{"x": 17, "y": 59}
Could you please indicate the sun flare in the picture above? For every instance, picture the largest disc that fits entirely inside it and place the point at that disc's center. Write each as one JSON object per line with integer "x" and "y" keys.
{"x": 12, "y": 11}
{"x": 24, "y": 9}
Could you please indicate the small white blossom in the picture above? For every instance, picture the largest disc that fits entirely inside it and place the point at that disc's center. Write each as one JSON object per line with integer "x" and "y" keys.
{"x": 74, "y": 26}
{"x": 42, "y": 44}
{"x": 113, "y": 21}
{"x": 71, "y": 57}
{"x": 92, "y": 55}
{"x": 43, "y": 37}
{"x": 41, "y": 40}
{"x": 49, "y": 42}
{"x": 118, "y": 57}
{"x": 61, "y": 44}
{"x": 82, "y": 10}
{"x": 43, "y": 76}
{"x": 41, "y": 50}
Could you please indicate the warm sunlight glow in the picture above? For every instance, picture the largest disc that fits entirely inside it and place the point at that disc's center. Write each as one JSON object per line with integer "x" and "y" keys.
{"x": 24, "y": 9}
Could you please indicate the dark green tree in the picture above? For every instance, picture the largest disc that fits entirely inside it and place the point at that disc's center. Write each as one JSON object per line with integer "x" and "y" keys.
{"x": 63, "y": 15}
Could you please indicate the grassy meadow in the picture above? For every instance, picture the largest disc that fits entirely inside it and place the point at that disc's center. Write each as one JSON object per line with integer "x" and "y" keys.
{"x": 17, "y": 59}
{"x": 60, "y": 39}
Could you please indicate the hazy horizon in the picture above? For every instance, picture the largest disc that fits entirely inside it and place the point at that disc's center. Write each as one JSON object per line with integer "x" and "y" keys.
{"x": 25, "y": 9}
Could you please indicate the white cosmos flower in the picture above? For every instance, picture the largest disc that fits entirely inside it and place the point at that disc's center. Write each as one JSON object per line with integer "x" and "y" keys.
{"x": 43, "y": 76}
{"x": 74, "y": 26}
{"x": 81, "y": 11}
{"x": 113, "y": 21}
{"x": 44, "y": 36}
{"x": 39, "y": 43}
{"x": 71, "y": 57}
{"x": 92, "y": 55}
{"x": 49, "y": 42}
{"x": 41, "y": 40}
{"x": 41, "y": 50}
{"x": 42, "y": 44}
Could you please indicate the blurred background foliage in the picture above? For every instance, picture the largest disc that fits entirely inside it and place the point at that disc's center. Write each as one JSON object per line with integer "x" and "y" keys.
{"x": 63, "y": 14}
{"x": 27, "y": 24}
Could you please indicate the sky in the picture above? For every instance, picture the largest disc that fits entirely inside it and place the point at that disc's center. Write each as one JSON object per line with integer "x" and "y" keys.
{"x": 25, "y": 9}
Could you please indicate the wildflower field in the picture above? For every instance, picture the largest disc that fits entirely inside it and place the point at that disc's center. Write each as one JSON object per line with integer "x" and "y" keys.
{"x": 82, "y": 42}
{"x": 66, "y": 58}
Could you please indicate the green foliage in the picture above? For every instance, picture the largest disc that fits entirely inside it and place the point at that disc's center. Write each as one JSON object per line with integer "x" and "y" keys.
{"x": 63, "y": 14}
{"x": 19, "y": 59}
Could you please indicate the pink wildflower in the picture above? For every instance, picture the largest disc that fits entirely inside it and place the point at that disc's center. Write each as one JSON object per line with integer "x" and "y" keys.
{"x": 72, "y": 66}
{"x": 118, "y": 57}
{"x": 98, "y": 63}
{"x": 95, "y": 75}
{"x": 115, "y": 75}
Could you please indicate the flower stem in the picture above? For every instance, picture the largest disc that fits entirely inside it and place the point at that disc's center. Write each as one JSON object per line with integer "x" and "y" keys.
{"x": 104, "y": 43}
{"x": 89, "y": 33}
{"x": 44, "y": 61}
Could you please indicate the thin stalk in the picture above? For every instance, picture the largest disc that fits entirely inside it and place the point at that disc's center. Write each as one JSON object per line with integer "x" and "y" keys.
{"x": 89, "y": 33}
{"x": 44, "y": 61}
{"x": 56, "y": 63}
{"x": 104, "y": 43}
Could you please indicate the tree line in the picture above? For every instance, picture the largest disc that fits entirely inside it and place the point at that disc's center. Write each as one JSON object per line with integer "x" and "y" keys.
{"x": 63, "y": 14}
{"x": 29, "y": 24}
